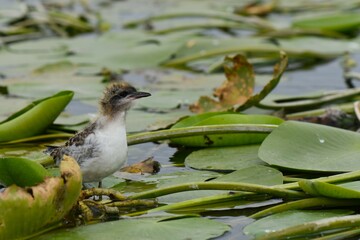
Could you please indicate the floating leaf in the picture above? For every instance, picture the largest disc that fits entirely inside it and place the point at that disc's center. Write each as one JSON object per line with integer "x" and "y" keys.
{"x": 217, "y": 140}
{"x": 287, "y": 219}
{"x": 195, "y": 119}
{"x": 224, "y": 158}
{"x": 309, "y": 101}
{"x": 311, "y": 147}
{"x": 168, "y": 179}
{"x": 30, "y": 211}
{"x": 146, "y": 228}
{"x": 146, "y": 166}
{"x": 55, "y": 67}
{"x": 200, "y": 48}
{"x": 35, "y": 118}
{"x": 236, "y": 90}
{"x": 269, "y": 176}
{"x": 297, "y": 47}
{"x": 21, "y": 172}
{"x": 278, "y": 71}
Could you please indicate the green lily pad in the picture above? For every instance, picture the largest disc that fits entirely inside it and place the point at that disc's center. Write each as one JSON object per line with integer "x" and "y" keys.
{"x": 288, "y": 219}
{"x": 21, "y": 172}
{"x": 31, "y": 211}
{"x": 217, "y": 140}
{"x": 225, "y": 158}
{"x": 269, "y": 176}
{"x": 146, "y": 228}
{"x": 35, "y": 118}
{"x": 308, "y": 101}
{"x": 168, "y": 179}
{"x": 311, "y": 147}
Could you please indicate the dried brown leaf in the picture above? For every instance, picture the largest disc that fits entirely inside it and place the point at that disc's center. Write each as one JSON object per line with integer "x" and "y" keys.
{"x": 236, "y": 90}
{"x": 147, "y": 166}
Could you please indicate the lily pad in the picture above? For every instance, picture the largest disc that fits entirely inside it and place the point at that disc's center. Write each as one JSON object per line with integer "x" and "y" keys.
{"x": 308, "y": 101}
{"x": 145, "y": 228}
{"x": 35, "y": 118}
{"x": 217, "y": 140}
{"x": 31, "y": 211}
{"x": 311, "y": 147}
{"x": 168, "y": 179}
{"x": 224, "y": 158}
{"x": 269, "y": 176}
{"x": 21, "y": 172}
{"x": 288, "y": 219}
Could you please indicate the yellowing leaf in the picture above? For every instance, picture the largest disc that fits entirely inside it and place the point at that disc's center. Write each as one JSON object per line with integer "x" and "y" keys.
{"x": 28, "y": 211}
{"x": 240, "y": 81}
{"x": 236, "y": 90}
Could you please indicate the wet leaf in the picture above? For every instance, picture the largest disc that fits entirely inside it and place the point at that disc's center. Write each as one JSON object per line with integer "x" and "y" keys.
{"x": 236, "y": 90}
{"x": 288, "y": 219}
{"x": 200, "y": 48}
{"x": 303, "y": 47}
{"x": 278, "y": 71}
{"x": 269, "y": 176}
{"x": 21, "y": 172}
{"x": 217, "y": 140}
{"x": 35, "y": 118}
{"x": 145, "y": 228}
{"x": 30, "y": 211}
{"x": 168, "y": 179}
{"x": 307, "y": 102}
{"x": 224, "y": 158}
{"x": 147, "y": 166}
{"x": 55, "y": 67}
{"x": 311, "y": 147}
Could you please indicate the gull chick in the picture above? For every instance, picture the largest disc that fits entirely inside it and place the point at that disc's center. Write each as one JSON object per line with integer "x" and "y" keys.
{"x": 101, "y": 148}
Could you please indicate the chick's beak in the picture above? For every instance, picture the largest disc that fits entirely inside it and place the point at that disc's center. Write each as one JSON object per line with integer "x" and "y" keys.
{"x": 137, "y": 95}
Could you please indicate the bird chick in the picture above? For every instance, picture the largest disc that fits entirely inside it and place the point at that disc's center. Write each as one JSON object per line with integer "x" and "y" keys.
{"x": 101, "y": 148}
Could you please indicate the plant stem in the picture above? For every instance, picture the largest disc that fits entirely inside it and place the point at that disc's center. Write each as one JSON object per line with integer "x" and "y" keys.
{"x": 255, "y": 22}
{"x": 342, "y": 177}
{"x": 220, "y": 198}
{"x": 199, "y": 130}
{"x": 341, "y": 235}
{"x": 305, "y": 203}
{"x": 241, "y": 195}
{"x": 313, "y": 227}
{"x": 233, "y": 186}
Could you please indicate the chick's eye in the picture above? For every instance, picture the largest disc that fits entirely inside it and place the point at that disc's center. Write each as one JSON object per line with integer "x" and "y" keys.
{"x": 123, "y": 94}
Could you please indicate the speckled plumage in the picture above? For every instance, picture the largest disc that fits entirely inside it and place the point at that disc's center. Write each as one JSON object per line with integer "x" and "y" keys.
{"x": 101, "y": 148}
